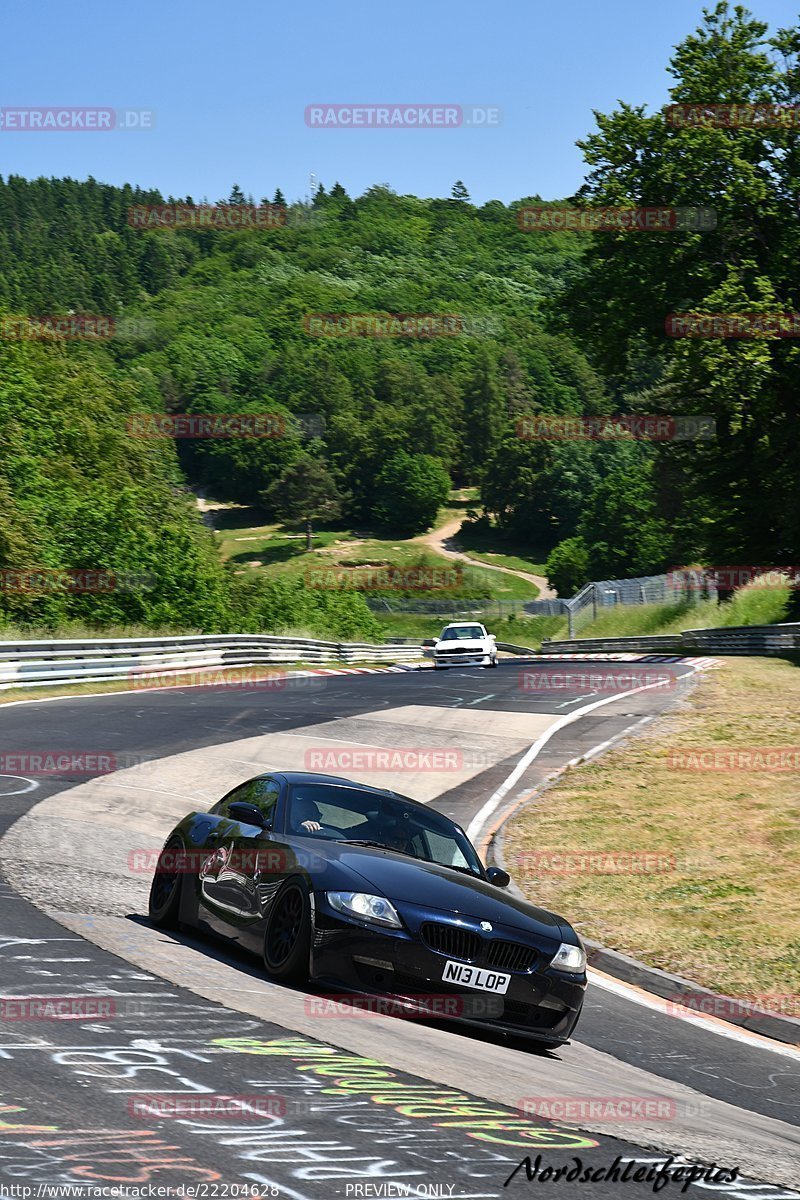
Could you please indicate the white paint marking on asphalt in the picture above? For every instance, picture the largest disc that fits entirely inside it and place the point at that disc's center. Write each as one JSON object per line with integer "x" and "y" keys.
{"x": 576, "y": 700}
{"x": 710, "y": 1025}
{"x": 317, "y": 737}
{"x": 483, "y": 815}
{"x": 32, "y": 785}
{"x": 598, "y": 749}
{"x": 480, "y": 699}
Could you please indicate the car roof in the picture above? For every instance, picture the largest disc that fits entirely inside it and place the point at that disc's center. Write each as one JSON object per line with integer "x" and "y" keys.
{"x": 294, "y": 777}
{"x": 456, "y": 624}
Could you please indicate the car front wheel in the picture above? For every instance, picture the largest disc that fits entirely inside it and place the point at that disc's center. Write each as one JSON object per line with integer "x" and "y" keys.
{"x": 287, "y": 938}
{"x": 165, "y": 890}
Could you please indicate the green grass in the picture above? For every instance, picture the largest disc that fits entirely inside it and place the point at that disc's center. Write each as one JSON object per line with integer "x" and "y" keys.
{"x": 524, "y": 631}
{"x": 77, "y": 631}
{"x": 750, "y": 605}
{"x": 281, "y": 553}
{"x": 725, "y": 909}
{"x": 501, "y": 559}
{"x": 490, "y": 546}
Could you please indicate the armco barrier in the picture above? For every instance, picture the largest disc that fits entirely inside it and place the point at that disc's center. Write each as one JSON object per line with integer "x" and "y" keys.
{"x": 734, "y": 640}
{"x": 656, "y": 644}
{"x": 42, "y": 663}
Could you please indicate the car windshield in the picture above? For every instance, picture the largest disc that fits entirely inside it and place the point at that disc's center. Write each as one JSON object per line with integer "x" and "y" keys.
{"x": 462, "y": 633}
{"x": 343, "y": 814}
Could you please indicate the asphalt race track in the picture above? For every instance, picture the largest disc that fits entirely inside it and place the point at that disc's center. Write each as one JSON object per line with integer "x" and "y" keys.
{"x": 329, "y": 1106}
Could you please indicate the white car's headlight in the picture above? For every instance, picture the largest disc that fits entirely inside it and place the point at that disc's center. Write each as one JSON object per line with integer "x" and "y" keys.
{"x": 569, "y": 958}
{"x": 369, "y": 908}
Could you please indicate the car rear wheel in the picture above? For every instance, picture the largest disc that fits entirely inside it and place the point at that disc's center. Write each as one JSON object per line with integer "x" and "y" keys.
{"x": 287, "y": 938}
{"x": 165, "y": 890}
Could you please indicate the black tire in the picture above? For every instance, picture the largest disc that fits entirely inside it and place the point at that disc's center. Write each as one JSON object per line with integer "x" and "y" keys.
{"x": 493, "y": 663}
{"x": 165, "y": 890}
{"x": 287, "y": 938}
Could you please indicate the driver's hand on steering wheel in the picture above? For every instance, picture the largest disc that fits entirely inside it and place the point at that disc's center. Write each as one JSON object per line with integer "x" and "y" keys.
{"x": 311, "y": 826}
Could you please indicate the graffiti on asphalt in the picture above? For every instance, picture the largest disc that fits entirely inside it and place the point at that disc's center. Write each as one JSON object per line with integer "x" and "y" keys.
{"x": 351, "y": 1075}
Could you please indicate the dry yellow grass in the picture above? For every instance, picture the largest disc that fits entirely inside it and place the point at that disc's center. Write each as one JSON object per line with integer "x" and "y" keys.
{"x": 727, "y": 915}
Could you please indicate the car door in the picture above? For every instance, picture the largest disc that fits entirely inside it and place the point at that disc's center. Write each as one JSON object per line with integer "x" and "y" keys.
{"x": 230, "y": 876}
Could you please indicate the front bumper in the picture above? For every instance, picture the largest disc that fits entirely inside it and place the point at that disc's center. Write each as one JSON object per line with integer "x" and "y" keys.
{"x": 470, "y": 658}
{"x": 353, "y": 957}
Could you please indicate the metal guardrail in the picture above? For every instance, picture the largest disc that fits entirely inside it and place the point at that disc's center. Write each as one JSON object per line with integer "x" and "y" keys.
{"x": 732, "y": 640}
{"x": 39, "y": 663}
{"x": 745, "y": 639}
{"x": 509, "y": 648}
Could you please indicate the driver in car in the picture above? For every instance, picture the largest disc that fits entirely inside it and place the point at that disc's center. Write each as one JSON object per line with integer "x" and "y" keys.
{"x": 306, "y": 815}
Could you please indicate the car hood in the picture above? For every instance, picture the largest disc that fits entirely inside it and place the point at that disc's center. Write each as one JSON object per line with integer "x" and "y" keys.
{"x": 461, "y": 644}
{"x": 428, "y": 885}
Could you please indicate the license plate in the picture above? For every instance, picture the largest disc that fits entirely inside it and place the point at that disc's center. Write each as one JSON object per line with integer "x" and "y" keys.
{"x": 476, "y": 977}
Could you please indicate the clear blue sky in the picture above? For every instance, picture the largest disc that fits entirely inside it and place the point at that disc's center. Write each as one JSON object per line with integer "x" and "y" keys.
{"x": 229, "y": 81}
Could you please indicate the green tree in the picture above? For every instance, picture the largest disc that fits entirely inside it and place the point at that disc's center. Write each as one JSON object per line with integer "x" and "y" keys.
{"x": 307, "y": 492}
{"x": 567, "y": 566}
{"x": 620, "y": 524}
{"x": 747, "y": 175}
{"x": 410, "y": 491}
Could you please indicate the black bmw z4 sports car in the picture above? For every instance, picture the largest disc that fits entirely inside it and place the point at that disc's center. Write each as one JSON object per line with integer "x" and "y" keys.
{"x": 365, "y": 891}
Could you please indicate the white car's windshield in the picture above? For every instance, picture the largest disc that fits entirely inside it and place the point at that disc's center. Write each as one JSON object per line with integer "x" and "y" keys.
{"x": 463, "y": 633}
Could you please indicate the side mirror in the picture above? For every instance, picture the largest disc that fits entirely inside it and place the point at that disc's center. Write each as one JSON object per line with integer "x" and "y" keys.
{"x": 429, "y": 641}
{"x": 498, "y": 877}
{"x": 247, "y": 814}
{"x": 492, "y": 637}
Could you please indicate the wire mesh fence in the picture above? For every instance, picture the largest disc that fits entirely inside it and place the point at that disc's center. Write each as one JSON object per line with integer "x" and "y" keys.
{"x": 676, "y": 587}
{"x": 580, "y": 610}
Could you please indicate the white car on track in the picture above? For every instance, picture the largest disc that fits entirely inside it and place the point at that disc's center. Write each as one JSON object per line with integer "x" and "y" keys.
{"x": 464, "y": 644}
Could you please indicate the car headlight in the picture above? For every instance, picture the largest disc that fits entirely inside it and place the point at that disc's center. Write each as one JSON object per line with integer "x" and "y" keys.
{"x": 369, "y": 908}
{"x": 569, "y": 958}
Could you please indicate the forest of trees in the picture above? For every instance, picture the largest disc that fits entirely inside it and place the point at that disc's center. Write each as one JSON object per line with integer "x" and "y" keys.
{"x": 546, "y": 323}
